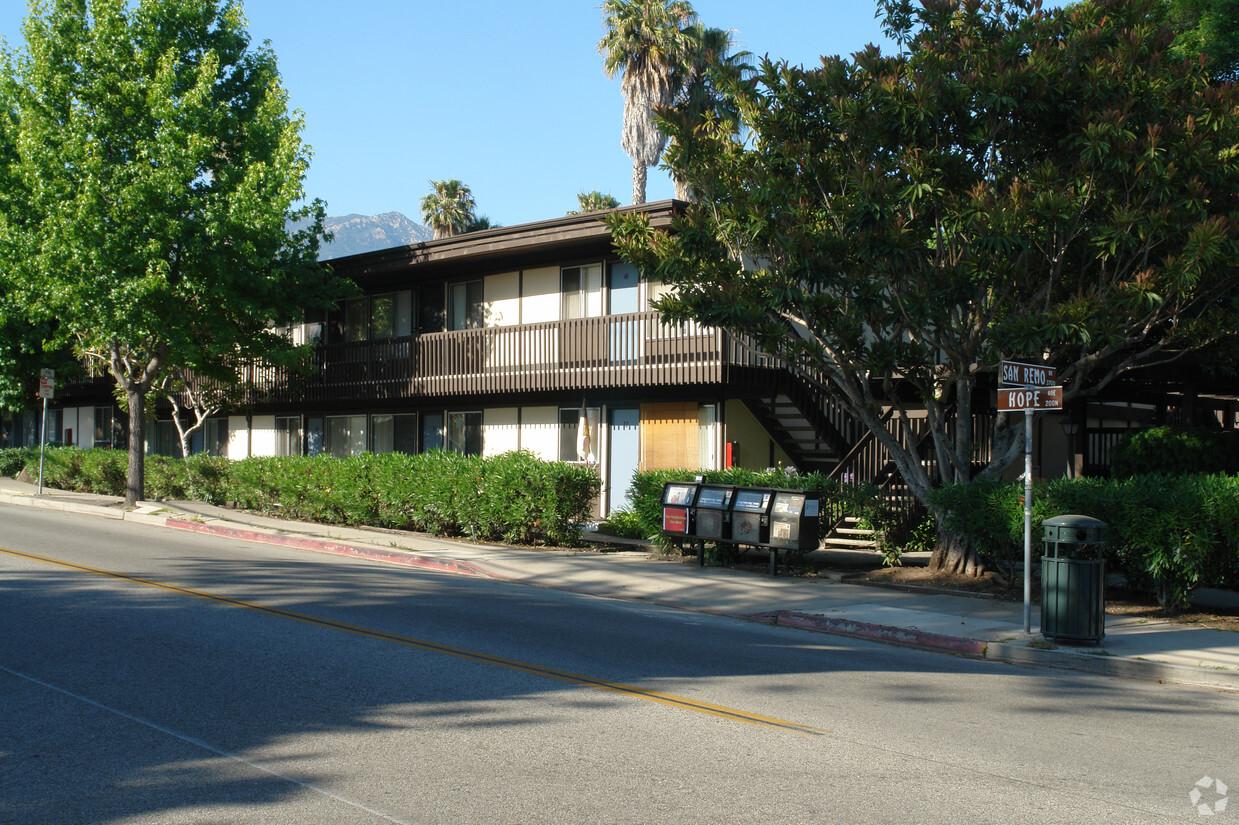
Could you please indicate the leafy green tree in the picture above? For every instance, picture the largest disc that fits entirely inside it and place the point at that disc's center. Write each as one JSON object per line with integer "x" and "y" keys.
{"x": 593, "y": 201}
{"x": 159, "y": 165}
{"x": 449, "y": 208}
{"x": 646, "y": 44}
{"x": 1014, "y": 182}
{"x": 700, "y": 83}
{"x": 1209, "y": 28}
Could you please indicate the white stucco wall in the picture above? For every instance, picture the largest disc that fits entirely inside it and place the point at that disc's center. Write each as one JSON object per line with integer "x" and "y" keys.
{"x": 238, "y": 438}
{"x": 500, "y": 430}
{"x": 262, "y": 440}
{"x": 503, "y": 300}
{"x": 540, "y": 432}
{"x": 541, "y": 300}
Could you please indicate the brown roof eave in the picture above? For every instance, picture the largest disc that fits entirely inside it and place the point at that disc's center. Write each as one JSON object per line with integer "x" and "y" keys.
{"x": 505, "y": 240}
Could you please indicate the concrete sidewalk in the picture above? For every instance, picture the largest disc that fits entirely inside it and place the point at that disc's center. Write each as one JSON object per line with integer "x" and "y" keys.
{"x": 963, "y": 625}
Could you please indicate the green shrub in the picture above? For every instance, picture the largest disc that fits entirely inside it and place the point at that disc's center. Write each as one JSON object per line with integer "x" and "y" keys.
{"x": 13, "y": 460}
{"x": 103, "y": 471}
{"x": 623, "y": 524}
{"x": 1166, "y": 534}
{"x": 1176, "y": 451}
{"x": 515, "y": 497}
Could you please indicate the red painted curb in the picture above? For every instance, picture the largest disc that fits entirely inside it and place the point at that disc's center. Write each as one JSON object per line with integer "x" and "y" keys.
{"x": 337, "y": 548}
{"x": 877, "y": 632}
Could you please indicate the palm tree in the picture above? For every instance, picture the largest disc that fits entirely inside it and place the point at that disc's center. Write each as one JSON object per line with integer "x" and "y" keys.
{"x": 594, "y": 201}
{"x": 481, "y": 222}
{"x": 448, "y": 210}
{"x": 699, "y": 93}
{"x": 645, "y": 42}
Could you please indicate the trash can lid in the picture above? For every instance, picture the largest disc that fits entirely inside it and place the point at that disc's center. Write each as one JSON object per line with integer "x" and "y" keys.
{"x": 1078, "y": 522}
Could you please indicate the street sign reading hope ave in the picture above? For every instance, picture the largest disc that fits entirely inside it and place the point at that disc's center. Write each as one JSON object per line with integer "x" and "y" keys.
{"x": 1034, "y": 387}
{"x": 1013, "y": 399}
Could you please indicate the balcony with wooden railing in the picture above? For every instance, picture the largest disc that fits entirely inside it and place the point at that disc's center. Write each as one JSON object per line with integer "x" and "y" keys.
{"x": 634, "y": 350}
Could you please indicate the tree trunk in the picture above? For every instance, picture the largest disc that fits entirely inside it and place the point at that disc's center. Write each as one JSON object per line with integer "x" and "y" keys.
{"x": 639, "y": 172}
{"x": 954, "y": 553}
{"x": 135, "y": 481}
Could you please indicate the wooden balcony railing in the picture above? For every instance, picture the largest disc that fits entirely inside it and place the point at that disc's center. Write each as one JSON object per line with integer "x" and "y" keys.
{"x": 588, "y": 353}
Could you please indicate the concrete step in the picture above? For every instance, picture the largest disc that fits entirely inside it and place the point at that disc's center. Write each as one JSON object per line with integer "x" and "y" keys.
{"x": 840, "y": 541}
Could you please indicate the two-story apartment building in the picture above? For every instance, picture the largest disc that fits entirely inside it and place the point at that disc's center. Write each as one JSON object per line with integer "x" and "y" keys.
{"x": 537, "y": 337}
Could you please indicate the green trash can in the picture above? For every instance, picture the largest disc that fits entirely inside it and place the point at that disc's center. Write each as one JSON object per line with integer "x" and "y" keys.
{"x": 1073, "y": 579}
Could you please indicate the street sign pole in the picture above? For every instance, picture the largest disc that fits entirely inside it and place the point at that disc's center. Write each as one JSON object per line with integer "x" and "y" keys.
{"x": 47, "y": 387}
{"x": 42, "y": 444}
{"x": 1028, "y": 387}
{"x": 1028, "y": 433}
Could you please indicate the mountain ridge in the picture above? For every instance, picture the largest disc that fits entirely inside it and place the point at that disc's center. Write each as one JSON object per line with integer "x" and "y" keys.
{"x": 354, "y": 234}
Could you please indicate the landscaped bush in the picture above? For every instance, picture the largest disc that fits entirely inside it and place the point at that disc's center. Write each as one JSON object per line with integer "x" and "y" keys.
{"x": 1176, "y": 451}
{"x": 12, "y": 460}
{"x": 1167, "y": 534}
{"x": 514, "y": 497}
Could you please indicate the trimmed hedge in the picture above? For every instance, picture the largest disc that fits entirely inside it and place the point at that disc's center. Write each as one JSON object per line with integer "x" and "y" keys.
{"x": 515, "y": 497}
{"x": 1167, "y": 534}
{"x": 1176, "y": 451}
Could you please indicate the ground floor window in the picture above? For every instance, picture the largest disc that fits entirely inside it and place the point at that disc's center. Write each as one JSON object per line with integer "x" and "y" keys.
{"x": 345, "y": 435}
{"x": 393, "y": 433}
{"x": 464, "y": 432}
{"x": 167, "y": 439}
{"x": 432, "y": 432}
{"x": 215, "y": 436}
{"x": 288, "y": 435}
{"x": 104, "y": 435}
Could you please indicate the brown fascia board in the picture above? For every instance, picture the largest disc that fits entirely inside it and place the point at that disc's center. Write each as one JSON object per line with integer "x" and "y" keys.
{"x": 505, "y": 242}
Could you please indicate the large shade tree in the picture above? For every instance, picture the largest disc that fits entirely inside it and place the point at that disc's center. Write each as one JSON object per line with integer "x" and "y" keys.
{"x": 1209, "y": 28}
{"x": 1014, "y": 182}
{"x": 647, "y": 45}
{"x": 158, "y": 165}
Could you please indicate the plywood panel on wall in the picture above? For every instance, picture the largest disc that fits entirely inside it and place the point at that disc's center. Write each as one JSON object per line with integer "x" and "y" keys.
{"x": 669, "y": 436}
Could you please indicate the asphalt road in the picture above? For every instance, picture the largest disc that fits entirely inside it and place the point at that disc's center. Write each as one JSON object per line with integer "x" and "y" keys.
{"x": 153, "y": 676}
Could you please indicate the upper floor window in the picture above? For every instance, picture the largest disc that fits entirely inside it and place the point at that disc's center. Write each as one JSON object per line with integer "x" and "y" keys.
{"x": 373, "y": 317}
{"x": 581, "y": 288}
{"x": 464, "y": 305}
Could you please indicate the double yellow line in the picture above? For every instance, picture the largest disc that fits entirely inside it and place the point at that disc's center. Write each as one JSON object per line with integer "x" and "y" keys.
{"x": 670, "y": 699}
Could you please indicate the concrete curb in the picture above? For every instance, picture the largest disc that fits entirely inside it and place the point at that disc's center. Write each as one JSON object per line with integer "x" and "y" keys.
{"x": 908, "y": 637}
{"x": 1117, "y": 666}
{"x": 356, "y": 551}
{"x": 63, "y": 506}
{"x": 1007, "y": 652}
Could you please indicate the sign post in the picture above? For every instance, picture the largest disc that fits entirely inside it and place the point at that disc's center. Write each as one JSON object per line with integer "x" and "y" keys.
{"x": 47, "y": 389}
{"x": 1030, "y": 388}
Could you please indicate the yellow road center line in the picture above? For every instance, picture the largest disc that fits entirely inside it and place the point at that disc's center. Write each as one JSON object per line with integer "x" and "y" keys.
{"x": 671, "y": 699}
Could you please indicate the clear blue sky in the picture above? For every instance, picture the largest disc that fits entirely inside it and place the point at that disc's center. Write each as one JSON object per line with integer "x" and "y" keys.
{"x": 509, "y": 97}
